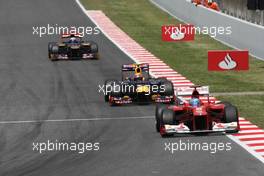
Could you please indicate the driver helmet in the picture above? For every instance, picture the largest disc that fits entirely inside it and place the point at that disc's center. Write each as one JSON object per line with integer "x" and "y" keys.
{"x": 73, "y": 40}
{"x": 195, "y": 102}
{"x": 138, "y": 77}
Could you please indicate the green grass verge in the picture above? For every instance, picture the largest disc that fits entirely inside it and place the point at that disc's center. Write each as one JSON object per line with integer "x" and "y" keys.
{"x": 249, "y": 106}
{"x": 142, "y": 21}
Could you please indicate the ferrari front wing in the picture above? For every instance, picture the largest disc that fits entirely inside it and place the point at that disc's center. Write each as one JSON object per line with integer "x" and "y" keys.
{"x": 183, "y": 129}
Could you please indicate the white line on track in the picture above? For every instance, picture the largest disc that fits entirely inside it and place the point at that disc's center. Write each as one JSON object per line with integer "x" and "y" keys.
{"x": 74, "y": 120}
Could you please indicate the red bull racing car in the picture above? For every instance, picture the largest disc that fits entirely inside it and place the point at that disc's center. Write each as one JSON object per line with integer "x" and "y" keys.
{"x": 194, "y": 112}
{"x": 72, "y": 46}
{"x": 138, "y": 86}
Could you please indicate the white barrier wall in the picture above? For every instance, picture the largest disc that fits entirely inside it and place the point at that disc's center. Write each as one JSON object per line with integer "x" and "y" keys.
{"x": 238, "y": 8}
{"x": 244, "y": 35}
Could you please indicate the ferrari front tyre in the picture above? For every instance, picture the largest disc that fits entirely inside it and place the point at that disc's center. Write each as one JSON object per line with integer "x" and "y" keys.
{"x": 230, "y": 114}
{"x": 158, "y": 114}
{"x": 168, "y": 117}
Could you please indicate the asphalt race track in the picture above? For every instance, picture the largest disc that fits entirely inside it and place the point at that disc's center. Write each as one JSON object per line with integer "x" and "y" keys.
{"x": 36, "y": 89}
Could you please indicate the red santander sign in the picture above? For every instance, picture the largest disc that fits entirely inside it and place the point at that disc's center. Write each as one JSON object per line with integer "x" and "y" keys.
{"x": 175, "y": 33}
{"x": 228, "y": 60}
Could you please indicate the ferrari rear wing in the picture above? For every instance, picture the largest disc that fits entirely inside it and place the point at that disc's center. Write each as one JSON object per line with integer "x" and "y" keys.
{"x": 187, "y": 91}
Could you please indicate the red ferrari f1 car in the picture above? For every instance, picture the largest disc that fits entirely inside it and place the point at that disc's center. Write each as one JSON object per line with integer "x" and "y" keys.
{"x": 194, "y": 112}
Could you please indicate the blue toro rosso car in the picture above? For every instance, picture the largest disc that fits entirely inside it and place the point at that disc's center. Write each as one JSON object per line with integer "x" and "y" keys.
{"x": 138, "y": 86}
{"x": 72, "y": 46}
